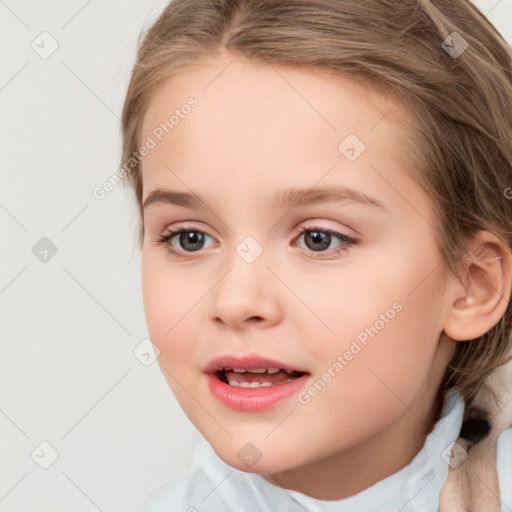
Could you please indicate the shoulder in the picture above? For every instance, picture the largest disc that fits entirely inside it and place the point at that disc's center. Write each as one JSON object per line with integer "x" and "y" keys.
{"x": 505, "y": 466}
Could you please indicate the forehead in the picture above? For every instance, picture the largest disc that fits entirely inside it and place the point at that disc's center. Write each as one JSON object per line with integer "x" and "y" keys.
{"x": 258, "y": 125}
{"x": 219, "y": 83}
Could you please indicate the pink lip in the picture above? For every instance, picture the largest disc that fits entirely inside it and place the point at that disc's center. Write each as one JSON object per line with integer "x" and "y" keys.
{"x": 250, "y": 399}
{"x": 253, "y": 399}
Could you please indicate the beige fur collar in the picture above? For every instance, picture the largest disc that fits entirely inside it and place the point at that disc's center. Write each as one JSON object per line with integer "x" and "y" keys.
{"x": 472, "y": 484}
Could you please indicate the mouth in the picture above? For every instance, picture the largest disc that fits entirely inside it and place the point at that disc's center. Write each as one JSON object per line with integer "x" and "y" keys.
{"x": 256, "y": 377}
{"x": 252, "y": 383}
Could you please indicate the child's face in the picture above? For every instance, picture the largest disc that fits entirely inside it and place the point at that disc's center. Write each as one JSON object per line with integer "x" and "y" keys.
{"x": 364, "y": 323}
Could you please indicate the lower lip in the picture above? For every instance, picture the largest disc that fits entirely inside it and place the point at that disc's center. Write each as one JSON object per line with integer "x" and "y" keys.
{"x": 253, "y": 399}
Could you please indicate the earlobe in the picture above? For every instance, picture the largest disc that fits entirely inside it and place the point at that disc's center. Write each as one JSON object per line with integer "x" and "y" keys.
{"x": 478, "y": 305}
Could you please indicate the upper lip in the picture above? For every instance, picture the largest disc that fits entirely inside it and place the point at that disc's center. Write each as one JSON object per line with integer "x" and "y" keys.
{"x": 247, "y": 361}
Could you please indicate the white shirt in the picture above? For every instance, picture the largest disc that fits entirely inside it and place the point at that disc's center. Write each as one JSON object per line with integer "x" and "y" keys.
{"x": 211, "y": 485}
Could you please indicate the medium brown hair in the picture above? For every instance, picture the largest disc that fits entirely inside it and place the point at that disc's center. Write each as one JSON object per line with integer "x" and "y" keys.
{"x": 461, "y": 149}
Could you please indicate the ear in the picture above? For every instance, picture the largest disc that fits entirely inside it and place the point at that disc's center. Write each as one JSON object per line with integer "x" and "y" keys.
{"x": 486, "y": 281}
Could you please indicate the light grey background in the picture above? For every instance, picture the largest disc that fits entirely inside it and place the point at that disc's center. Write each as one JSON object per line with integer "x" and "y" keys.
{"x": 71, "y": 323}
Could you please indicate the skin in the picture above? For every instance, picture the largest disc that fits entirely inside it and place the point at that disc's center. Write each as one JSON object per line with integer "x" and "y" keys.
{"x": 254, "y": 133}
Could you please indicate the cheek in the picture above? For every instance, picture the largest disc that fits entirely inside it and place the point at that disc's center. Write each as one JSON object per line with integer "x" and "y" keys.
{"x": 168, "y": 302}
{"x": 167, "y": 306}
{"x": 387, "y": 332}
{"x": 375, "y": 386}
{"x": 155, "y": 282}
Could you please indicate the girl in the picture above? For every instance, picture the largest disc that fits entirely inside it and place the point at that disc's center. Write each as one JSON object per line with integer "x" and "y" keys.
{"x": 347, "y": 376}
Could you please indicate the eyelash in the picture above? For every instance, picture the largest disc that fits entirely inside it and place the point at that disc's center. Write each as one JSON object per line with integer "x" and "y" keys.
{"x": 165, "y": 239}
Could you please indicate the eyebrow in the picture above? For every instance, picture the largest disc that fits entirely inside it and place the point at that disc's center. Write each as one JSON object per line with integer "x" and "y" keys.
{"x": 287, "y": 198}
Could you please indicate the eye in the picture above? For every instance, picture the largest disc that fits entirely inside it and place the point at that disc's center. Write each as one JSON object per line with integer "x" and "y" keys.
{"x": 191, "y": 240}
{"x": 318, "y": 239}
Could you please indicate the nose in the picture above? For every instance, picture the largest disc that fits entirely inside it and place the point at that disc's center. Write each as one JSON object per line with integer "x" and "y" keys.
{"x": 246, "y": 294}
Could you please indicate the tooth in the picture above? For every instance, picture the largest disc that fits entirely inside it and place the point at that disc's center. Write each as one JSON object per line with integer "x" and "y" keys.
{"x": 272, "y": 370}
{"x": 288, "y": 371}
{"x": 252, "y": 384}
{"x": 256, "y": 370}
{"x": 238, "y": 370}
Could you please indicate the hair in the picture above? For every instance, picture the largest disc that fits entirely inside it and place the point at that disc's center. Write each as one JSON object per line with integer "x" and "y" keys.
{"x": 460, "y": 151}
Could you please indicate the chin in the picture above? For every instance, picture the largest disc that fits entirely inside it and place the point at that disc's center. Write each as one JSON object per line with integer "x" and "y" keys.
{"x": 250, "y": 458}
{"x": 260, "y": 467}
